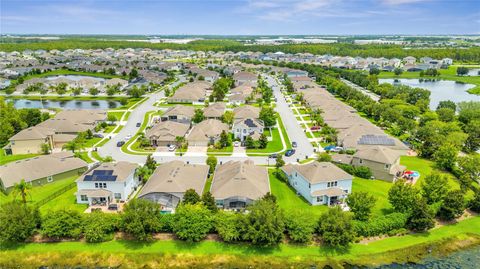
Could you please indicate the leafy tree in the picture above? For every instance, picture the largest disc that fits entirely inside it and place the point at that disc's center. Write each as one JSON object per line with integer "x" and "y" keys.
{"x": 374, "y": 71}
{"x": 335, "y": 227}
{"x": 62, "y": 224}
{"x": 446, "y": 114}
{"x": 17, "y": 221}
{"x": 469, "y": 166}
{"x": 191, "y": 197}
{"x": 150, "y": 162}
{"x": 77, "y": 91}
{"x": 209, "y": 201}
{"x": 262, "y": 141}
{"x": 270, "y": 197}
{"x": 143, "y": 173}
{"x": 264, "y": 224}
{"x": 268, "y": 116}
{"x": 447, "y": 104}
{"x": 198, "y": 116}
{"x": 228, "y": 225}
{"x": 452, "y": 206}
{"x": 421, "y": 218}
{"x": 99, "y": 226}
{"x": 224, "y": 139}
{"x": 279, "y": 162}
{"x": 474, "y": 204}
{"x": 434, "y": 187}
{"x": 228, "y": 117}
{"x": 361, "y": 204}
{"x": 402, "y": 196}
{"x": 93, "y": 91}
{"x": 472, "y": 129}
{"x": 133, "y": 73}
{"x": 324, "y": 157}
{"x": 250, "y": 143}
{"x": 212, "y": 163}
{"x": 46, "y": 148}
{"x": 398, "y": 71}
{"x": 462, "y": 70}
{"x": 446, "y": 156}
{"x": 140, "y": 218}
{"x": 73, "y": 145}
{"x": 136, "y": 92}
{"x": 300, "y": 226}
{"x": 23, "y": 189}
{"x": 192, "y": 222}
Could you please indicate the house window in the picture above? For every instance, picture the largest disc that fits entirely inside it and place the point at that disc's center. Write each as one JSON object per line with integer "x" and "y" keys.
{"x": 83, "y": 198}
{"x": 328, "y": 184}
{"x": 96, "y": 185}
{"x": 335, "y": 183}
{"x": 49, "y": 179}
{"x": 118, "y": 196}
{"x": 104, "y": 185}
{"x": 319, "y": 199}
{"x": 309, "y": 185}
{"x": 360, "y": 161}
{"x": 346, "y": 191}
{"x": 387, "y": 166}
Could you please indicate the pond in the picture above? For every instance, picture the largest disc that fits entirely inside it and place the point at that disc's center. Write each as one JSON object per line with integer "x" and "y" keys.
{"x": 74, "y": 77}
{"x": 441, "y": 90}
{"x": 474, "y": 72}
{"x": 70, "y": 104}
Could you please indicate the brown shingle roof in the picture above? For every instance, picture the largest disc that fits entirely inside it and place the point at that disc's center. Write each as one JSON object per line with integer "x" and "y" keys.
{"x": 316, "y": 172}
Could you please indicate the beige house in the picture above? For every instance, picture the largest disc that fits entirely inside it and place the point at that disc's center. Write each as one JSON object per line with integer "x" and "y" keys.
{"x": 165, "y": 133}
{"x": 245, "y": 112}
{"x": 240, "y": 94}
{"x": 41, "y": 170}
{"x": 242, "y": 77}
{"x": 382, "y": 161}
{"x": 30, "y": 140}
{"x": 171, "y": 180}
{"x": 179, "y": 113}
{"x": 237, "y": 184}
{"x": 214, "y": 111}
{"x": 206, "y": 132}
{"x": 194, "y": 92}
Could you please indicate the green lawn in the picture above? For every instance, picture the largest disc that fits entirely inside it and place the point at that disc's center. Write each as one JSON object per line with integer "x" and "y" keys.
{"x": 118, "y": 129}
{"x": 426, "y": 167}
{"x": 38, "y": 193}
{"x": 140, "y": 130}
{"x": 11, "y": 158}
{"x": 84, "y": 156}
{"x": 66, "y": 200}
{"x": 275, "y": 145}
{"x": 377, "y": 188}
{"x": 118, "y": 114}
{"x": 90, "y": 142}
{"x": 447, "y": 74}
{"x": 224, "y": 151}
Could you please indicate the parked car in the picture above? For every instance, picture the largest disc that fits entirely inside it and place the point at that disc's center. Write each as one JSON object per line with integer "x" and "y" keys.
{"x": 120, "y": 143}
{"x": 273, "y": 156}
{"x": 171, "y": 148}
{"x": 98, "y": 135}
{"x": 294, "y": 144}
{"x": 336, "y": 149}
{"x": 113, "y": 207}
{"x": 329, "y": 147}
{"x": 139, "y": 124}
{"x": 315, "y": 128}
{"x": 289, "y": 152}
{"x": 236, "y": 144}
{"x": 128, "y": 137}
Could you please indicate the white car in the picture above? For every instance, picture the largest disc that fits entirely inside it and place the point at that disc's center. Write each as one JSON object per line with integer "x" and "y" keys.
{"x": 171, "y": 148}
{"x": 236, "y": 144}
{"x": 128, "y": 137}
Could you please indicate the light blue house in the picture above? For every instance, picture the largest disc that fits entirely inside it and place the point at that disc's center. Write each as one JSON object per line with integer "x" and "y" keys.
{"x": 320, "y": 183}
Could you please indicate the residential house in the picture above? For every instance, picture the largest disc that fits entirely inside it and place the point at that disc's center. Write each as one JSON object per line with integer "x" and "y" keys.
{"x": 245, "y": 112}
{"x": 237, "y": 184}
{"x": 207, "y": 75}
{"x": 206, "y": 132}
{"x": 214, "y": 111}
{"x": 171, "y": 180}
{"x": 179, "y": 113}
{"x": 41, "y": 170}
{"x": 30, "y": 140}
{"x": 242, "y": 128}
{"x": 194, "y": 92}
{"x": 320, "y": 183}
{"x": 409, "y": 60}
{"x": 107, "y": 183}
{"x": 242, "y": 77}
{"x": 240, "y": 94}
{"x": 384, "y": 162}
{"x": 165, "y": 133}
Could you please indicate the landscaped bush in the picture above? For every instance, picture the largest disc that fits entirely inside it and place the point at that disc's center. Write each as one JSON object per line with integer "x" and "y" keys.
{"x": 336, "y": 228}
{"x": 474, "y": 204}
{"x": 99, "y": 226}
{"x": 192, "y": 222}
{"x": 264, "y": 224}
{"x": 300, "y": 226}
{"x": 17, "y": 222}
{"x": 380, "y": 225}
{"x": 166, "y": 223}
{"x": 141, "y": 218}
{"x": 359, "y": 171}
{"x": 228, "y": 226}
{"x": 62, "y": 224}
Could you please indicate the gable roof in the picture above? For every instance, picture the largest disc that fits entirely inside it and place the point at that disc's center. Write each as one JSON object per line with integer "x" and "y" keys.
{"x": 167, "y": 130}
{"x": 237, "y": 178}
{"x": 176, "y": 177}
{"x": 215, "y": 110}
{"x": 246, "y": 112}
{"x": 206, "y": 129}
{"x": 316, "y": 172}
{"x": 187, "y": 111}
{"x": 33, "y": 133}
{"x": 192, "y": 91}
{"x": 378, "y": 154}
{"x": 119, "y": 170}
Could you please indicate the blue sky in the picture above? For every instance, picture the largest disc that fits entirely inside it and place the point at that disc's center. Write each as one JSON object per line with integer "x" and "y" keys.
{"x": 240, "y": 17}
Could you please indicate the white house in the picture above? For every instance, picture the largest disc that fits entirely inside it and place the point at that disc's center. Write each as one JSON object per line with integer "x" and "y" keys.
{"x": 447, "y": 61}
{"x": 320, "y": 183}
{"x": 109, "y": 182}
{"x": 247, "y": 127}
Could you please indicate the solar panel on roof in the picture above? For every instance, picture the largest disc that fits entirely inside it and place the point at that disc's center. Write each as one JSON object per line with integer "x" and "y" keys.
{"x": 376, "y": 140}
{"x": 101, "y": 175}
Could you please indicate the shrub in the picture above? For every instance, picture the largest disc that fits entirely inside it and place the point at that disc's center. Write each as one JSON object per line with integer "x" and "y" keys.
{"x": 192, "y": 222}
{"x": 452, "y": 206}
{"x": 227, "y": 225}
{"x": 17, "y": 222}
{"x": 335, "y": 227}
{"x": 381, "y": 224}
{"x": 99, "y": 226}
{"x": 300, "y": 226}
{"x": 62, "y": 224}
{"x": 362, "y": 171}
{"x": 474, "y": 204}
{"x": 402, "y": 196}
{"x": 141, "y": 218}
{"x": 324, "y": 157}
{"x": 166, "y": 223}
{"x": 264, "y": 224}
{"x": 421, "y": 218}
{"x": 361, "y": 204}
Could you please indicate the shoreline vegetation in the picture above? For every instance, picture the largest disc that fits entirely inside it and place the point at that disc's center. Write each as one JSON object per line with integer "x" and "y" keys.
{"x": 165, "y": 252}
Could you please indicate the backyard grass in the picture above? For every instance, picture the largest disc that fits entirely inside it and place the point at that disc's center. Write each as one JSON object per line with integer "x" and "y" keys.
{"x": 426, "y": 167}
{"x": 38, "y": 193}
{"x": 377, "y": 188}
{"x": 275, "y": 145}
{"x": 67, "y": 200}
{"x": 118, "y": 114}
{"x": 446, "y": 74}
{"x": 11, "y": 158}
{"x": 90, "y": 142}
{"x": 84, "y": 156}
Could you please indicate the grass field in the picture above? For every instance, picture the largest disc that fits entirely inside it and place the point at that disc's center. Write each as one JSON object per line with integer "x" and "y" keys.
{"x": 117, "y": 114}
{"x": 276, "y": 144}
{"x": 224, "y": 151}
{"x": 66, "y": 200}
{"x": 446, "y": 74}
{"x": 377, "y": 188}
{"x": 84, "y": 156}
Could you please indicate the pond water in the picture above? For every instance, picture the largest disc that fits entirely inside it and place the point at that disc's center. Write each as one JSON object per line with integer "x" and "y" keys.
{"x": 74, "y": 77}
{"x": 463, "y": 259}
{"x": 71, "y": 104}
{"x": 441, "y": 90}
{"x": 474, "y": 72}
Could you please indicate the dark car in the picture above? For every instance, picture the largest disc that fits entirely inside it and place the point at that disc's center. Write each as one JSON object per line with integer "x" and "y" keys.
{"x": 289, "y": 152}
{"x": 273, "y": 156}
{"x": 294, "y": 144}
{"x": 139, "y": 124}
{"x": 98, "y": 135}
{"x": 113, "y": 207}
{"x": 120, "y": 143}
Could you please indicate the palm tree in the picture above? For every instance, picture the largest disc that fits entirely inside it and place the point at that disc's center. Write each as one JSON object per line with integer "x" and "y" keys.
{"x": 73, "y": 145}
{"x": 179, "y": 140}
{"x": 143, "y": 173}
{"x": 22, "y": 188}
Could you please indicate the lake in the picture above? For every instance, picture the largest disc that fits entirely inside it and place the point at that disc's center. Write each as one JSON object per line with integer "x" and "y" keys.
{"x": 441, "y": 90}
{"x": 71, "y": 104}
{"x": 74, "y": 77}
